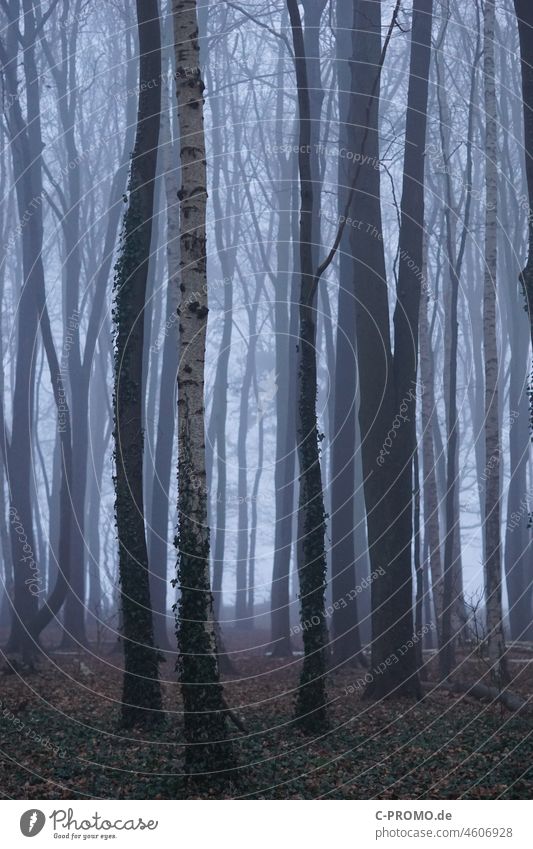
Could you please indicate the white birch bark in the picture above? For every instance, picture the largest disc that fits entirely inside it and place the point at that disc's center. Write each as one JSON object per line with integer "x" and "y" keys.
{"x": 204, "y": 707}
{"x": 192, "y": 280}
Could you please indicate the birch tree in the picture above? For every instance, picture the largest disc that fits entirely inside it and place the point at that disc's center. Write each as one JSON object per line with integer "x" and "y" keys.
{"x": 204, "y": 706}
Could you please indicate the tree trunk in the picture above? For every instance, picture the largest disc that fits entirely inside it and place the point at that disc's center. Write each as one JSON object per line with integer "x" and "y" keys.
{"x": 227, "y": 253}
{"x": 387, "y": 383}
{"x": 346, "y": 644}
{"x": 158, "y": 531}
{"x": 493, "y": 566}
{"x": 524, "y": 14}
{"x": 405, "y": 363}
{"x": 141, "y": 699}
{"x": 241, "y": 590}
{"x": 280, "y": 605}
{"x": 311, "y": 699}
{"x": 429, "y": 482}
{"x": 204, "y": 716}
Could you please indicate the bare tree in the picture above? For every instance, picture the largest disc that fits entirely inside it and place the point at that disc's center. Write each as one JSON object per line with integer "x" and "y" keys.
{"x": 492, "y": 530}
{"x": 346, "y": 644}
{"x": 204, "y": 719}
{"x": 524, "y": 14}
{"x": 311, "y": 701}
{"x": 141, "y": 699}
{"x": 387, "y": 380}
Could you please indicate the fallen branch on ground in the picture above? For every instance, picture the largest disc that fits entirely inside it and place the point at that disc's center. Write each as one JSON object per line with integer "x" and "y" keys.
{"x": 510, "y": 700}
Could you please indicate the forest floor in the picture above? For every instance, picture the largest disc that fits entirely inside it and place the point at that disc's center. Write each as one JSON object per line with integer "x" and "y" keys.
{"x": 59, "y": 736}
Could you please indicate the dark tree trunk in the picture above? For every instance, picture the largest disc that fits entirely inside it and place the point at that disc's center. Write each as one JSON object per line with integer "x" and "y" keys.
{"x": 524, "y": 14}
{"x": 418, "y": 565}
{"x": 406, "y": 316}
{"x": 141, "y": 700}
{"x": 254, "y": 518}
{"x": 388, "y": 383}
{"x": 376, "y": 409}
{"x": 311, "y": 700}
{"x": 285, "y": 419}
{"x": 346, "y": 644}
{"x": 521, "y": 613}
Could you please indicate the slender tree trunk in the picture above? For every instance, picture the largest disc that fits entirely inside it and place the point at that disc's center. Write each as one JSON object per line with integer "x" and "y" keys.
{"x": 430, "y": 494}
{"x": 406, "y": 317}
{"x": 100, "y": 426}
{"x": 152, "y": 324}
{"x": 141, "y": 700}
{"x": 417, "y": 558}
{"x": 346, "y": 645}
{"x": 158, "y": 531}
{"x": 217, "y": 424}
{"x": 285, "y": 421}
{"x": 518, "y": 543}
{"x": 524, "y": 14}
{"x": 241, "y": 595}
{"x": 101, "y": 433}
{"x": 204, "y": 707}
{"x": 388, "y": 383}
{"x": 493, "y": 565}
{"x": 311, "y": 699}
{"x": 254, "y": 518}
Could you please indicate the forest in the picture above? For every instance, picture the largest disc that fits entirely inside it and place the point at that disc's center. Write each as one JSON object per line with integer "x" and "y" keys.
{"x": 266, "y": 410}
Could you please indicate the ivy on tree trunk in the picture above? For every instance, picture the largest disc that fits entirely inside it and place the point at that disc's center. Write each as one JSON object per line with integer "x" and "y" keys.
{"x": 208, "y": 752}
{"x": 141, "y": 698}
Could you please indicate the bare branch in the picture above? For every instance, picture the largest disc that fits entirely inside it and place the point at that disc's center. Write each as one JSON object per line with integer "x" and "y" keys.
{"x": 262, "y": 24}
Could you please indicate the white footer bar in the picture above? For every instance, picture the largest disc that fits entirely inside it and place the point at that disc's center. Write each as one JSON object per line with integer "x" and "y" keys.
{"x": 269, "y": 824}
